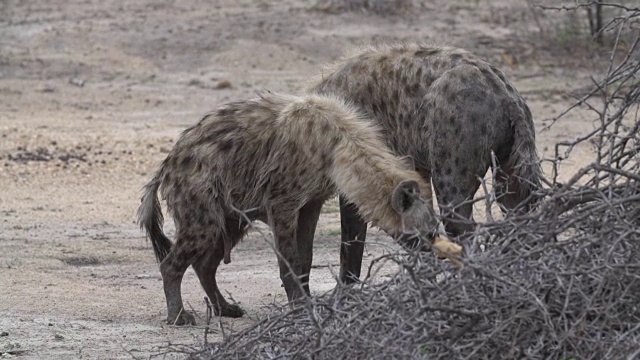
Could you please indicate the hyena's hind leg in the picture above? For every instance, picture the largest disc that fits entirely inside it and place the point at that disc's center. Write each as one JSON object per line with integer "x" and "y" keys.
{"x": 513, "y": 191}
{"x": 172, "y": 269}
{"x": 207, "y": 266}
{"x": 354, "y": 234}
{"x": 517, "y": 171}
{"x": 307, "y": 221}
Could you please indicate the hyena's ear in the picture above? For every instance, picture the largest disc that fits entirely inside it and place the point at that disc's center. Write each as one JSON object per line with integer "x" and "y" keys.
{"x": 404, "y": 195}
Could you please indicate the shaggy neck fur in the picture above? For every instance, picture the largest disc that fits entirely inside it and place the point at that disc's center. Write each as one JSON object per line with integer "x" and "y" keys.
{"x": 368, "y": 180}
{"x": 363, "y": 169}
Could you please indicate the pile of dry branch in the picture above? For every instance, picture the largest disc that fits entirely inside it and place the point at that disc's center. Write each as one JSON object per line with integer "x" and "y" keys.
{"x": 562, "y": 282}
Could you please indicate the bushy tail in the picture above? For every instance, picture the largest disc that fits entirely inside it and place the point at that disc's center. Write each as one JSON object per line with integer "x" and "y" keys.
{"x": 526, "y": 173}
{"x": 150, "y": 219}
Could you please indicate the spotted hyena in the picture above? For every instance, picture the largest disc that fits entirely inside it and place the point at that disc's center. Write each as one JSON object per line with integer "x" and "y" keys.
{"x": 276, "y": 158}
{"x": 448, "y": 111}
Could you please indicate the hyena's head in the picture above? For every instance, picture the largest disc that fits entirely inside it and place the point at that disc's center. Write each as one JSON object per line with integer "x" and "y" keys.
{"x": 417, "y": 217}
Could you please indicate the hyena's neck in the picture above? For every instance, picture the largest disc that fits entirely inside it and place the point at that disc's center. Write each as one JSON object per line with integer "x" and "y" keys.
{"x": 367, "y": 175}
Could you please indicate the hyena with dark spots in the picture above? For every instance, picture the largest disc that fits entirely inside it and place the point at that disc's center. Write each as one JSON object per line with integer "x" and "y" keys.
{"x": 277, "y": 159}
{"x": 448, "y": 111}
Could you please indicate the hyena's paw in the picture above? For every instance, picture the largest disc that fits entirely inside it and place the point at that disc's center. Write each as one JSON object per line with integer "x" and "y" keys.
{"x": 184, "y": 318}
{"x": 229, "y": 310}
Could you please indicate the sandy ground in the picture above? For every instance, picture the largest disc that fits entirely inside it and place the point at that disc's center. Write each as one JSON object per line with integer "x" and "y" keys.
{"x": 92, "y": 96}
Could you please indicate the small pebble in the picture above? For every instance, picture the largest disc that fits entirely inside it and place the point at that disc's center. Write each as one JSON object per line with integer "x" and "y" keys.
{"x": 48, "y": 89}
{"x": 196, "y": 82}
{"x": 223, "y": 84}
{"x": 77, "y": 82}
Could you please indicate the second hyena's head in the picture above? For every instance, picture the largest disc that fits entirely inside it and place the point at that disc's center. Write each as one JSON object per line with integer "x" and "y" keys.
{"x": 417, "y": 217}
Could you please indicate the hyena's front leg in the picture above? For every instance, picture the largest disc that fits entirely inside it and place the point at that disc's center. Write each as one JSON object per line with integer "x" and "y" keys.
{"x": 354, "y": 233}
{"x": 284, "y": 224}
{"x": 307, "y": 221}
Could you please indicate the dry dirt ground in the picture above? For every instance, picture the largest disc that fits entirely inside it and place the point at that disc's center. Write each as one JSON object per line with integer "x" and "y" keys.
{"x": 94, "y": 93}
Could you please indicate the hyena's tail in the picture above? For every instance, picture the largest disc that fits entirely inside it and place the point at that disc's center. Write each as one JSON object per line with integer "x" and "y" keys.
{"x": 150, "y": 218}
{"x": 522, "y": 169}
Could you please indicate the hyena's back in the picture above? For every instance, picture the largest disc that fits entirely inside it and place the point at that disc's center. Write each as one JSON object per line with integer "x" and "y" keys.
{"x": 241, "y": 157}
{"x": 447, "y": 110}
